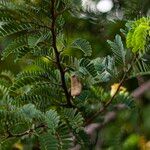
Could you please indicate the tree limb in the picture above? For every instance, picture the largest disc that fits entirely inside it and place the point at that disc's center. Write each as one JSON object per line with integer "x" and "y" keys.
{"x": 57, "y": 54}
{"x": 137, "y": 93}
{"x": 112, "y": 98}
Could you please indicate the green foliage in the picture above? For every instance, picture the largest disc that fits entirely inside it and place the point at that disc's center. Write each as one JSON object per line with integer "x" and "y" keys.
{"x": 118, "y": 50}
{"x": 138, "y": 33}
{"x": 90, "y": 68}
{"x": 36, "y": 105}
{"x": 83, "y": 45}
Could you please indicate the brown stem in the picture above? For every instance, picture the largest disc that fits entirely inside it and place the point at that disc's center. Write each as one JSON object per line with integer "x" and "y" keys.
{"x": 112, "y": 98}
{"x": 107, "y": 104}
{"x": 57, "y": 54}
{"x": 137, "y": 93}
{"x": 10, "y": 135}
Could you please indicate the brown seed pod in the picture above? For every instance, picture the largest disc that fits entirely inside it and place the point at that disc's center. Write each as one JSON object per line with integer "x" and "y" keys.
{"x": 76, "y": 86}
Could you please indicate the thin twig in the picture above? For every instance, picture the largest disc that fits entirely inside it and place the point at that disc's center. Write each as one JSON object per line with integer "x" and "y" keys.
{"x": 137, "y": 93}
{"x": 57, "y": 54}
{"x": 11, "y": 135}
{"x": 107, "y": 104}
{"x": 112, "y": 98}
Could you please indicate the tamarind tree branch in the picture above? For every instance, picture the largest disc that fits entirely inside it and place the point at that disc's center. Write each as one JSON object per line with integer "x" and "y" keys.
{"x": 112, "y": 98}
{"x": 107, "y": 104}
{"x": 57, "y": 53}
{"x": 137, "y": 93}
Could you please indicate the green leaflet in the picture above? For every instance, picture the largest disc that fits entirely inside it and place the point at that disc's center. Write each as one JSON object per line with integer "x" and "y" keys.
{"x": 52, "y": 119}
{"x": 11, "y": 29}
{"x": 87, "y": 67}
{"x": 137, "y": 36}
{"x": 48, "y": 142}
{"x": 73, "y": 118}
{"x": 118, "y": 49}
{"x": 83, "y": 45}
